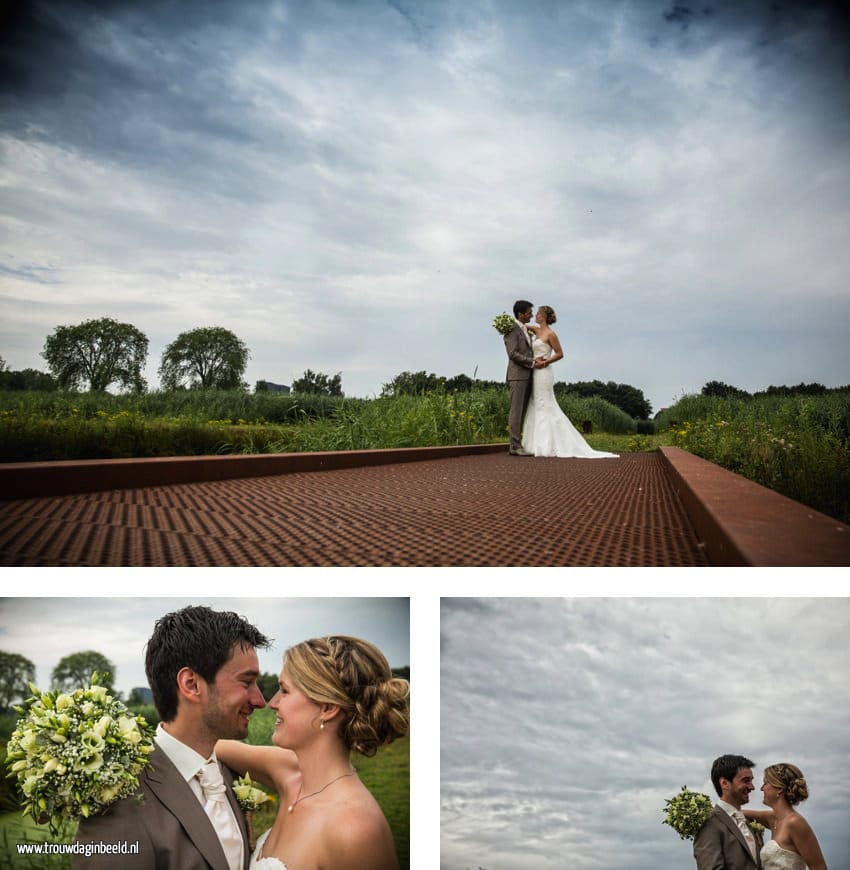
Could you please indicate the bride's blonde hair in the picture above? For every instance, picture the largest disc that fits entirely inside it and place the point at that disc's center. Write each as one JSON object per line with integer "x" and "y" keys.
{"x": 549, "y": 313}
{"x": 790, "y": 779}
{"x": 355, "y": 676}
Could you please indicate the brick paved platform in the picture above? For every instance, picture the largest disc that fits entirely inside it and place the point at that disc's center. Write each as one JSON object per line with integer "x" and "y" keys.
{"x": 489, "y": 509}
{"x": 453, "y": 506}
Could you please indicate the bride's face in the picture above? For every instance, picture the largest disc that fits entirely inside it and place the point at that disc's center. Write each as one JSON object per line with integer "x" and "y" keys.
{"x": 540, "y": 317}
{"x": 297, "y": 716}
{"x": 771, "y": 793}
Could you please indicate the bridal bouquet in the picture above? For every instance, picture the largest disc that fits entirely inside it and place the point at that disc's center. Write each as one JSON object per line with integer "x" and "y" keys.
{"x": 504, "y": 323}
{"x": 687, "y": 812}
{"x": 74, "y": 754}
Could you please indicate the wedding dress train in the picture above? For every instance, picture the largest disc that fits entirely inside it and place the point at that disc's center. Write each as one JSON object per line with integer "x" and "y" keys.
{"x": 258, "y": 863}
{"x": 546, "y": 430}
{"x": 774, "y": 857}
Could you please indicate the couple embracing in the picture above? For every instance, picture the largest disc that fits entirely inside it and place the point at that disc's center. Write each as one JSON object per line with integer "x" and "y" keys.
{"x": 336, "y": 694}
{"x": 538, "y": 426}
{"x": 728, "y": 842}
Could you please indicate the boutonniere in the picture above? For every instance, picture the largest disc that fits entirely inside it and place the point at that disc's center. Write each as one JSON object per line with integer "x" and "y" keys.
{"x": 250, "y": 798}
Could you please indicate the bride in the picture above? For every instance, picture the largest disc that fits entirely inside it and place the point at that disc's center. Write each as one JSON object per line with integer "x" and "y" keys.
{"x": 547, "y": 431}
{"x": 336, "y": 695}
{"x": 794, "y": 845}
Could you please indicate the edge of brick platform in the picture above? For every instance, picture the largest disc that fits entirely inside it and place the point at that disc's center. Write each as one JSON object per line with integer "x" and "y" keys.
{"x": 36, "y": 479}
{"x": 744, "y": 523}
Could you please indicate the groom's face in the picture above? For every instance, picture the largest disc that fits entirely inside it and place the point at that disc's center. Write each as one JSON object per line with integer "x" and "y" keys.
{"x": 234, "y": 695}
{"x": 740, "y": 787}
{"x": 524, "y": 316}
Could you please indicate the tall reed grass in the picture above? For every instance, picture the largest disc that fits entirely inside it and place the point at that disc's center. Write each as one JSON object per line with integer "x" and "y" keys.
{"x": 796, "y": 445}
{"x": 51, "y": 426}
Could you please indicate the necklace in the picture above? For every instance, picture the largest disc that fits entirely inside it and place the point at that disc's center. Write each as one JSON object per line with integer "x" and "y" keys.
{"x": 298, "y": 799}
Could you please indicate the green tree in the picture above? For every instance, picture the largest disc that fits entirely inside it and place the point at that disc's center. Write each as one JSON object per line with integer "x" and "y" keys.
{"x": 724, "y": 391}
{"x": 317, "y": 384}
{"x": 629, "y": 399}
{"x": 206, "y": 358}
{"x": 16, "y": 673}
{"x": 412, "y": 384}
{"x": 75, "y": 671}
{"x": 27, "y": 379}
{"x": 268, "y": 685}
{"x": 98, "y": 353}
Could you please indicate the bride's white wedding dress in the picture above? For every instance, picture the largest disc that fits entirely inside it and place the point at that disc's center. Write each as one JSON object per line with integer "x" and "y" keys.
{"x": 546, "y": 430}
{"x": 258, "y": 863}
{"x": 774, "y": 857}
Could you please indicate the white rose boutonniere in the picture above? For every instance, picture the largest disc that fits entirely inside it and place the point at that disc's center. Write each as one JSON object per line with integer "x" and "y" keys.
{"x": 250, "y": 798}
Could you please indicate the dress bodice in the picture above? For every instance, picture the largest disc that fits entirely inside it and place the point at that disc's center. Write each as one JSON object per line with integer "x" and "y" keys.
{"x": 258, "y": 863}
{"x": 774, "y": 857}
{"x": 540, "y": 348}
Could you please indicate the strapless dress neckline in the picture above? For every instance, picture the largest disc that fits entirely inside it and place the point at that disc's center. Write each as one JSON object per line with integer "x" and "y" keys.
{"x": 774, "y": 857}
{"x": 260, "y": 863}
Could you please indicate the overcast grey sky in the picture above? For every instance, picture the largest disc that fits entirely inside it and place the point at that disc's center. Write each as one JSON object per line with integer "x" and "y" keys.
{"x": 565, "y": 723}
{"x": 47, "y": 629}
{"x": 361, "y": 187}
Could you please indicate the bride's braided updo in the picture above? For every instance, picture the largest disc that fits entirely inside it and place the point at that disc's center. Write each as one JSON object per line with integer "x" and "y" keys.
{"x": 790, "y": 779}
{"x": 355, "y": 676}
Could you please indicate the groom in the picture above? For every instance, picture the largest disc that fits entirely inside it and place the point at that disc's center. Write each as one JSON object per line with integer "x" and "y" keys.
{"x": 521, "y": 362}
{"x": 725, "y": 842}
{"x": 202, "y": 668}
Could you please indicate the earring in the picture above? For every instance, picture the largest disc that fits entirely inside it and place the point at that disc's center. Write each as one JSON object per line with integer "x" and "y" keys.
{"x": 321, "y": 724}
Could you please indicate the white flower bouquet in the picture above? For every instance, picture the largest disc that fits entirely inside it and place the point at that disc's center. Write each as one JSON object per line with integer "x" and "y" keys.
{"x": 503, "y": 323}
{"x": 687, "y": 812}
{"x": 74, "y": 754}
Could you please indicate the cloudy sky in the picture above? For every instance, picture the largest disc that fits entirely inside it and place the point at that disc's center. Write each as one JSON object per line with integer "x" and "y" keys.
{"x": 360, "y": 187}
{"x": 47, "y": 629}
{"x": 567, "y": 722}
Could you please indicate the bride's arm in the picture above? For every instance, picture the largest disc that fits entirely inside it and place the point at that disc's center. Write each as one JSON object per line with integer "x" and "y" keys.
{"x": 763, "y": 817}
{"x": 557, "y": 351}
{"x": 268, "y": 765}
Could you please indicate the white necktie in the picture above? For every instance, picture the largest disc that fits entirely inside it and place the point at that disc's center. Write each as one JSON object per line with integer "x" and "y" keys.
{"x": 741, "y": 819}
{"x": 220, "y": 813}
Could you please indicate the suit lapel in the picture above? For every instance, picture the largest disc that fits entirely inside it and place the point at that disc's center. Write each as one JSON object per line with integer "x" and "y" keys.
{"x": 727, "y": 820}
{"x": 227, "y": 775}
{"x": 165, "y": 781}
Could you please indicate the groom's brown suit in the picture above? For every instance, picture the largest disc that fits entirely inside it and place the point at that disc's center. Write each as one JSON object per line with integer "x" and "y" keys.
{"x": 168, "y": 822}
{"x": 520, "y": 365}
{"x": 720, "y": 845}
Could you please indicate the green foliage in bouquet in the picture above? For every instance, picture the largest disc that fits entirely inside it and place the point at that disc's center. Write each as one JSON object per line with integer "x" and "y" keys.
{"x": 687, "y": 812}
{"x": 74, "y": 754}
{"x": 503, "y": 323}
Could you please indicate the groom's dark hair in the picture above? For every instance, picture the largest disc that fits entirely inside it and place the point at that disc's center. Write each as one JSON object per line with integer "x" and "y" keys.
{"x": 198, "y": 638}
{"x": 726, "y": 767}
{"x": 521, "y": 305}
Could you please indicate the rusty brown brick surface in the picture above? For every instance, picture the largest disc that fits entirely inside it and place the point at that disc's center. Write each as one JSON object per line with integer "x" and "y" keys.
{"x": 474, "y": 510}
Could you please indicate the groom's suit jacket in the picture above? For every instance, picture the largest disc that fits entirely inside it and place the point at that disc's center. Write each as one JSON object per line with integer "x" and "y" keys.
{"x": 720, "y": 845}
{"x": 520, "y": 357}
{"x": 167, "y": 821}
